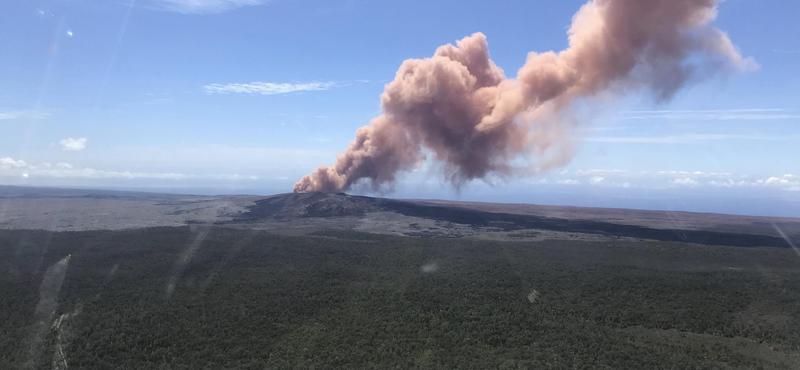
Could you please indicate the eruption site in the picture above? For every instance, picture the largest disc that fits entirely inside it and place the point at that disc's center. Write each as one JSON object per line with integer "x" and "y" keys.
{"x": 460, "y": 108}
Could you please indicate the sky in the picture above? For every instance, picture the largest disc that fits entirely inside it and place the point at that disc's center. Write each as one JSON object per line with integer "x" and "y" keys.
{"x": 247, "y": 96}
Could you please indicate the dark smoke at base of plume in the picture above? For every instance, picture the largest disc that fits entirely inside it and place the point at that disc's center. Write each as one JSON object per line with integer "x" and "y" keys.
{"x": 459, "y": 106}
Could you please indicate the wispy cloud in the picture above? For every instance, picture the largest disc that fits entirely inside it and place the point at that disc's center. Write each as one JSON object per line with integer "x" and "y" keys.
{"x": 686, "y": 181}
{"x": 691, "y": 173}
{"x": 11, "y": 163}
{"x": 670, "y": 111}
{"x": 672, "y": 173}
{"x": 785, "y": 51}
{"x": 728, "y": 183}
{"x": 266, "y": 88}
{"x": 10, "y": 167}
{"x": 598, "y": 172}
{"x": 603, "y": 128}
{"x": 785, "y": 182}
{"x": 689, "y": 138}
{"x": 568, "y": 182}
{"x": 692, "y": 179}
{"x": 9, "y": 115}
{"x": 199, "y": 6}
{"x": 73, "y": 145}
{"x": 712, "y": 114}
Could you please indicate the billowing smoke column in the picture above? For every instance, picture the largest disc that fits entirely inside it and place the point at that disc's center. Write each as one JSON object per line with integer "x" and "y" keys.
{"x": 459, "y": 106}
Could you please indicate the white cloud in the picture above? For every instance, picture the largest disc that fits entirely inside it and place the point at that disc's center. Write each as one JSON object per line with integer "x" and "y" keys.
{"x": 636, "y": 174}
{"x": 600, "y": 172}
{"x": 100, "y": 174}
{"x": 728, "y": 184}
{"x": 214, "y": 158}
{"x": 9, "y": 115}
{"x": 686, "y": 181}
{"x": 603, "y": 128}
{"x": 689, "y": 138}
{"x": 10, "y": 162}
{"x": 776, "y": 181}
{"x": 654, "y": 179}
{"x": 234, "y": 176}
{"x": 191, "y": 165}
{"x": 13, "y": 168}
{"x": 71, "y": 144}
{"x": 568, "y": 182}
{"x": 712, "y": 114}
{"x": 266, "y": 88}
{"x": 679, "y": 173}
{"x": 785, "y": 182}
{"x": 694, "y": 174}
{"x": 200, "y": 6}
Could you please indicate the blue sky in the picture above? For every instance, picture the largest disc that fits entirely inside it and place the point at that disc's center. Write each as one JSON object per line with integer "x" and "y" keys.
{"x": 247, "y": 96}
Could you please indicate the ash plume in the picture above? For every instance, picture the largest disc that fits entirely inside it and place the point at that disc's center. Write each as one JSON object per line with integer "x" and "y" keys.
{"x": 460, "y": 108}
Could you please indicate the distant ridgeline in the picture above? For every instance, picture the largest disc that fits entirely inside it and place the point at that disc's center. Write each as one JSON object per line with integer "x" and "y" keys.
{"x": 338, "y": 205}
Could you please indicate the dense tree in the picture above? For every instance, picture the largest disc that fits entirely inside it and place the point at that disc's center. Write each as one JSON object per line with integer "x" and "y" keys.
{"x": 219, "y": 298}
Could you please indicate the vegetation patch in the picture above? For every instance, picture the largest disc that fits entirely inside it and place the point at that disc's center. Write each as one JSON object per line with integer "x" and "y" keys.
{"x": 244, "y": 299}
